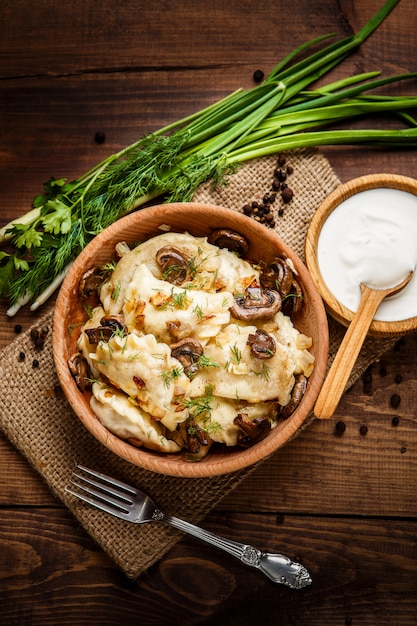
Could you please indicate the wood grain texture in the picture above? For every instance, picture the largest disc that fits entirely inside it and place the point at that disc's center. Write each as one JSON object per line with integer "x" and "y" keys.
{"x": 344, "y": 503}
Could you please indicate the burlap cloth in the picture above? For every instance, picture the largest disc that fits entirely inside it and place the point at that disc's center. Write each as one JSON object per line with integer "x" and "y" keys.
{"x": 36, "y": 418}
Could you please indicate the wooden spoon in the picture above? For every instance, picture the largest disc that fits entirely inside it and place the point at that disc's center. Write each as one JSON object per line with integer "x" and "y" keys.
{"x": 350, "y": 347}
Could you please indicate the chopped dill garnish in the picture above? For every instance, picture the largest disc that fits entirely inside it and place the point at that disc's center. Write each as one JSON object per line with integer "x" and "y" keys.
{"x": 116, "y": 290}
{"x": 236, "y": 354}
{"x": 263, "y": 373}
{"x": 198, "y": 311}
{"x": 204, "y": 362}
{"x": 168, "y": 376}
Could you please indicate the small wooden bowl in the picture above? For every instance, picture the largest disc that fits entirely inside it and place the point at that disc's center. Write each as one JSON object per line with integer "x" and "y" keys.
{"x": 199, "y": 220}
{"x": 336, "y": 309}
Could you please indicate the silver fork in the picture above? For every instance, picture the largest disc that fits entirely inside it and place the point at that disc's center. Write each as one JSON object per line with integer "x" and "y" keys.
{"x": 124, "y": 501}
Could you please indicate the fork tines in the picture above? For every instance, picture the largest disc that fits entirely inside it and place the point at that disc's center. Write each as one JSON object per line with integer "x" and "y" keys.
{"x": 101, "y": 491}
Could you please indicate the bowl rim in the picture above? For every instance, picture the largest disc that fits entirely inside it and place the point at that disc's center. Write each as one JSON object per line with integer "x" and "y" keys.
{"x": 214, "y": 464}
{"x": 342, "y": 314}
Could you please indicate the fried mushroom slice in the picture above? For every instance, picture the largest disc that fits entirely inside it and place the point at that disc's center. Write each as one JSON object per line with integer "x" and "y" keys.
{"x": 277, "y": 275}
{"x": 174, "y": 264}
{"x": 90, "y": 282}
{"x": 262, "y": 344}
{"x": 233, "y": 241}
{"x": 198, "y": 443}
{"x": 109, "y": 326}
{"x": 80, "y": 371}
{"x": 251, "y": 431}
{"x": 255, "y": 304}
{"x": 297, "y": 394}
{"x": 293, "y": 301}
{"x": 115, "y": 322}
{"x": 187, "y": 351}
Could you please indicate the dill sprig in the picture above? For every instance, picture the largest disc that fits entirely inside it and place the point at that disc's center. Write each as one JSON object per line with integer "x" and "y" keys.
{"x": 283, "y": 113}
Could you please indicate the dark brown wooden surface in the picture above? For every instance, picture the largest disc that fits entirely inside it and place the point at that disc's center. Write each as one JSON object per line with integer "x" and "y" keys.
{"x": 345, "y": 505}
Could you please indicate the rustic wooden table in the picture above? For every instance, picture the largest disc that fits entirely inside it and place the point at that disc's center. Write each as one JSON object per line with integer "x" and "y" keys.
{"x": 344, "y": 505}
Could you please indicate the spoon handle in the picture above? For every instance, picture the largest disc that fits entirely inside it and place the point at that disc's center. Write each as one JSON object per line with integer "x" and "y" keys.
{"x": 348, "y": 351}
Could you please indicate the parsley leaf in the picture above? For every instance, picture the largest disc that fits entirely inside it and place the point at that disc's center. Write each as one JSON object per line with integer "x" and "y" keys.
{"x": 8, "y": 270}
{"x": 56, "y": 217}
{"x": 26, "y": 236}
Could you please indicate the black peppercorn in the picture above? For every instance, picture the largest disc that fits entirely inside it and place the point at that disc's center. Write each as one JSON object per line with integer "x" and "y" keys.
{"x": 395, "y": 400}
{"x": 340, "y": 428}
{"x": 395, "y": 420}
{"x": 282, "y": 177}
{"x": 398, "y": 379}
{"x": 39, "y": 343}
{"x": 258, "y": 76}
{"x": 18, "y": 329}
{"x": 22, "y": 356}
{"x": 99, "y": 137}
{"x": 35, "y": 363}
{"x": 363, "y": 430}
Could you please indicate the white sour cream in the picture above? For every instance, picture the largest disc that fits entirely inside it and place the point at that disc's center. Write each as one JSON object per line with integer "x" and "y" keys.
{"x": 371, "y": 238}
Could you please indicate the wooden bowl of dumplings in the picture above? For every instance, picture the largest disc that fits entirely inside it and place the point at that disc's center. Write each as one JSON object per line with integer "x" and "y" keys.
{"x": 190, "y": 340}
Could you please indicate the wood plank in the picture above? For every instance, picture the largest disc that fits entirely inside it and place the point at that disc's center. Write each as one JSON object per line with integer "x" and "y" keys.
{"x": 75, "y": 38}
{"x": 53, "y": 573}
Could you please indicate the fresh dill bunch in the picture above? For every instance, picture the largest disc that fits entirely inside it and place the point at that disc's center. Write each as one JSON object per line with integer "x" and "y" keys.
{"x": 198, "y": 169}
{"x": 137, "y": 173}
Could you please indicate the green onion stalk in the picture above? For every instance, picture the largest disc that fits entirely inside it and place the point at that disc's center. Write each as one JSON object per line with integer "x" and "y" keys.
{"x": 282, "y": 113}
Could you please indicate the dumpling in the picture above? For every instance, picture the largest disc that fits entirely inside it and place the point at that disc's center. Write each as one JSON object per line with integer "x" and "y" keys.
{"x": 145, "y": 370}
{"x": 117, "y": 413}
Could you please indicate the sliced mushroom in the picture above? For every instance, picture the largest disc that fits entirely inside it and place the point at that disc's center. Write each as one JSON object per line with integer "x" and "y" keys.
{"x": 115, "y": 322}
{"x": 297, "y": 394}
{"x": 110, "y": 324}
{"x": 251, "y": 431}
{"x": 187, "y": 351}
{"x": 256, "y": 304}
{"x": 91, "y": 280}
{"x": 174, "y": 264}
{"x": 233, "y": 241}
{"x": 100, "y": 333}
{"x": 293, "y": 301}
{"x": 262, "y": 344}
{"x": 80, "y": 371}
{"x": 277, "y": 275}
{"x": 198, "y": 443}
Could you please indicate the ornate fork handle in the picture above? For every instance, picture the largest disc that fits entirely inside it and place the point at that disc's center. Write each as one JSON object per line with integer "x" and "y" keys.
{"x": 278, "y": 567}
